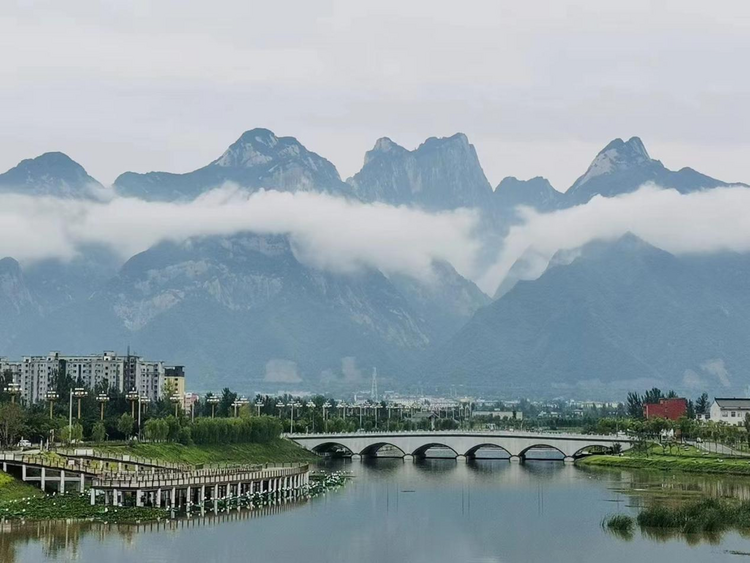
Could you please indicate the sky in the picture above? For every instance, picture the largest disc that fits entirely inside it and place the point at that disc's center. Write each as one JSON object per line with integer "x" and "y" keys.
{"x": 539, "y": 87}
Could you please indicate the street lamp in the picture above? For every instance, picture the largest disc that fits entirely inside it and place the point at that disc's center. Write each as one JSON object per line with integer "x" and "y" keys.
{"x": 51, "y": 396}
{"x": 175, "y": 399}
{"x": 79, "y": 393}
{"x": 342, "y": 405}
{"x": 133, "y": 397}
{"x": 280, "y": 406}
{"x": 292, "y": 405}
{"x": 103, "y": 399}
{"x": 238, "y": 403}
{"x": 258, "y": 406}
{"x": 310, "y": 405}
{"x": 13, "y": 389}
{"x": 213, "y": 400}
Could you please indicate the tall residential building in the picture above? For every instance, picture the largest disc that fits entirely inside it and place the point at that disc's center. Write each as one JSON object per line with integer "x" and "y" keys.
{"x": 107, "y": 371}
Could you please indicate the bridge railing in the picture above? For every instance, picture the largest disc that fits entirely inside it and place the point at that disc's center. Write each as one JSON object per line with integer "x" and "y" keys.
{"x": 504, "y": 433}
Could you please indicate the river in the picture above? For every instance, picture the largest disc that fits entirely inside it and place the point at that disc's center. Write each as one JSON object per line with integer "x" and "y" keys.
{"x": 431, "y": 510}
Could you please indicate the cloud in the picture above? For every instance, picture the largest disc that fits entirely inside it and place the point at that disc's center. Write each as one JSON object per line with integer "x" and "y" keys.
{"x": 701, "y": 222}
{"x": 326, "y": 232}
{"x": 281, "y": 371}
{"x": 717, "y": 368}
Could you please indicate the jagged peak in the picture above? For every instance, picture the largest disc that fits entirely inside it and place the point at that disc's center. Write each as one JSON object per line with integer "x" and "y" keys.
{"x": 459, "y": 139}
{"x": 617, "y": 155}
{"x": 510, "y": 182}
{"x": 252, "y": 148}
{"x": 632, "y": 148}
{"x": 383, "y": 146}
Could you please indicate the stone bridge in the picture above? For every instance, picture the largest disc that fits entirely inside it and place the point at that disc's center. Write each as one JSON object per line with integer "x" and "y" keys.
{"x": 463, "y": 443}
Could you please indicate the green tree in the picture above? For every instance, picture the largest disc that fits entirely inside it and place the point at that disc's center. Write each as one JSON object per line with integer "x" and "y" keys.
{"x": 635, "y": 405}
{"x": 12, "y": 418}
{"x": 98, "y": 432}
{"x": 125, "y": 425}
{"x": 701, "y": 405}
{"x": 653, "y": 396}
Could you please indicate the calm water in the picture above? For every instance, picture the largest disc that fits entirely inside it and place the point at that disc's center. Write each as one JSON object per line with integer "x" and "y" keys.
{"x": 422, "y": 511}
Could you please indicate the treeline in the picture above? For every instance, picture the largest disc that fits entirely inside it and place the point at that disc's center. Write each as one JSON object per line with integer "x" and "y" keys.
{"x": 256, "y": 430}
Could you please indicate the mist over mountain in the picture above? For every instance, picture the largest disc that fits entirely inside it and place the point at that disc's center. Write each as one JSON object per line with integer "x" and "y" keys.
{"x": 253, "y": 309}
{"x": 622, "y": 315}
{"x": 227, "y": 306}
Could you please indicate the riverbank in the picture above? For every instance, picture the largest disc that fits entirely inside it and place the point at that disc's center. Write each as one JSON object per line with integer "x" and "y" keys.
{"x": 277, "y": 451}
{"x": 13, "y": 489}
{"x": 689, "y": 459}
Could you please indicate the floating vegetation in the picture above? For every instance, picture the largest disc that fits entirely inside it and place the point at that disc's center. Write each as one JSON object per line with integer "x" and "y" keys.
{"x": 705, "y": 519}
{"x": 76, "y": 506}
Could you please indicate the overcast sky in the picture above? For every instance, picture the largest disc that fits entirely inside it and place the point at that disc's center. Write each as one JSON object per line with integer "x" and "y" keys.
{"x": 539, "y": 87}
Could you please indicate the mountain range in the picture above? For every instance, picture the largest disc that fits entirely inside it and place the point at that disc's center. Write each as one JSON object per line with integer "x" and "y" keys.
{"x": 243, "y": 310}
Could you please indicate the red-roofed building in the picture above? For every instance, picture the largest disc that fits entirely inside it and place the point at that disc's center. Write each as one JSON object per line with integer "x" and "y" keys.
{"x": 666, "y": 408}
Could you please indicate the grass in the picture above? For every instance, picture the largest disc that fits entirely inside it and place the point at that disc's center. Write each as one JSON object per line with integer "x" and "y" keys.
{"x": 278, "y": 451}
{"x": 13, "y": 489}
{"x": 689, "y": 460}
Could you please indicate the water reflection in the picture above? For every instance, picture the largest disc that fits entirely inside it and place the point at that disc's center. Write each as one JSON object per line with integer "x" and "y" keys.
{"x": 423, "y": 510}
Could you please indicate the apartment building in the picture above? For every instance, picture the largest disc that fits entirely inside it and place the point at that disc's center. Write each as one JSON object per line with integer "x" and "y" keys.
{"x": 107, "y": 371}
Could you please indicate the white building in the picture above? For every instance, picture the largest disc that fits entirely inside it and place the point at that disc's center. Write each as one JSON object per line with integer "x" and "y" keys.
{"x": 38, "y": 374}
{"x": 729, "y": 410}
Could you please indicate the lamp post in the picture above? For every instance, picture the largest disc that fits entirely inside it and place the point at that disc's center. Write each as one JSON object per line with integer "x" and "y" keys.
{"x": 51, "y": 396}
{"x": 342, "y": 405}
{"x": 103, "y": 399}
{"x": 212, "y": 400}
{"x": 292, "y": 405}
{"x": 310, "y": 405}
{"x": 280, "y": 406}
{"x": 133, "y": 397}
{"x": 13, "y": 389}
{"x": 258, "y": 406}
{"x": 238, "y": 403}
{"x": 361, "y": 406}
{"x": 79, "y": 393}
{"x": 176, "y": 400}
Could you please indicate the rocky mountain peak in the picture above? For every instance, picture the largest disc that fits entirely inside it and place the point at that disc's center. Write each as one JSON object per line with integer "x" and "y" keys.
{"x": 51, "y": 174}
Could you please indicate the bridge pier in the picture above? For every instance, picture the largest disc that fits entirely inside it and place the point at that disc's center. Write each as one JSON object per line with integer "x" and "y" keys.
{"x": 569, "y": 459}
{"x": 515, "y": 458}
{"x": 43, "y": 478}
{"x": 62, "y": 482}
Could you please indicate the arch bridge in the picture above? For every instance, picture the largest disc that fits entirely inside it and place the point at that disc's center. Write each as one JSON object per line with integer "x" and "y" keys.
{"x": 463, "y": 443}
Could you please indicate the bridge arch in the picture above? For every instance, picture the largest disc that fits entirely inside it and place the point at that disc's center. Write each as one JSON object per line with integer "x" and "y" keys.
{"x": 332, "y": 448}
{"x": 523, "y": 452}
{"x": 421, "y": 451}
{"x": 373, "y": 449}
{"x": 472, "y": 452}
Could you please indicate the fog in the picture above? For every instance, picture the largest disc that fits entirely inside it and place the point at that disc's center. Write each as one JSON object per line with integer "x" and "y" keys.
{"x": 700, "y": 222}
{"x": 326, "y": 232}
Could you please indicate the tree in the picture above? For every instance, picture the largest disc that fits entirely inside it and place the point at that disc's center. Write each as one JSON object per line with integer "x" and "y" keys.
{"x": 701, "y": 405}
{"x": 11, "y": 422}
{"x": 635, "y": 405}
{"x": 672, "y": 394}
{"x": 98, "y": 432}
{"x": 653, "y": 396}
{"x": 125, "y": 425}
